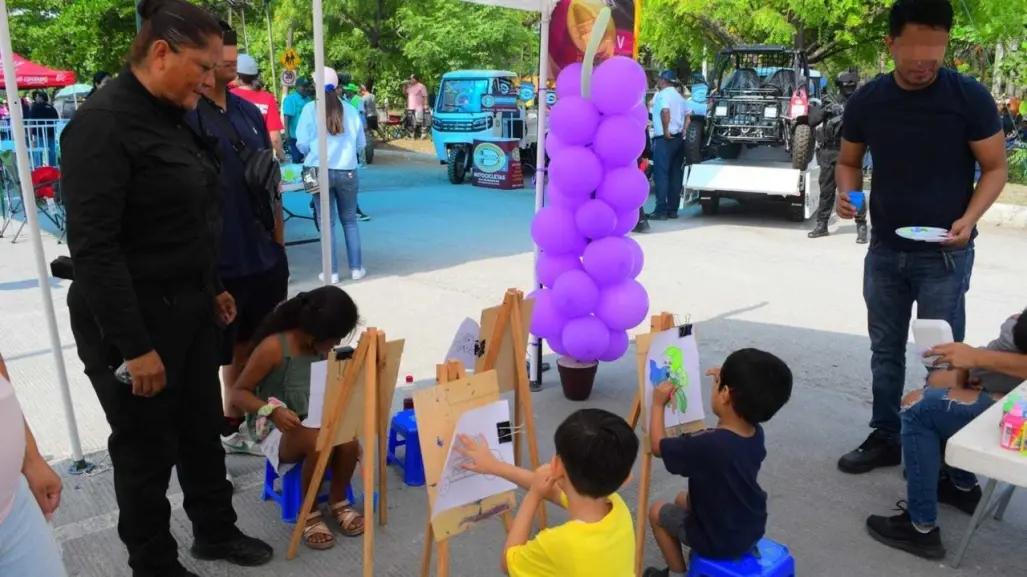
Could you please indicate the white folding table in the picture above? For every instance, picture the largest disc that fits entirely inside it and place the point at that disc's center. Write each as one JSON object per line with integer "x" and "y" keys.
{"x": 976, "y": 448}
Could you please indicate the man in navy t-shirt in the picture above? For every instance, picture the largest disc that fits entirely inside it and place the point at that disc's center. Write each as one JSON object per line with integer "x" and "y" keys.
{"x": 252, "y": 263}
{"x": 925, "y": 127}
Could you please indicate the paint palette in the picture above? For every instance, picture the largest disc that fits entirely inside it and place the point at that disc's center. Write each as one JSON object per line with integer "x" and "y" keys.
{"x": 923, "y": 233}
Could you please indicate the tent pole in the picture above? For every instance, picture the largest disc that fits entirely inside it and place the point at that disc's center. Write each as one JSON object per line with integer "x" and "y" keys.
{"x": 535, "y": 346}
{"x": 79, "y": 463}
{"x": 271, "y": 49}
{"x": 322, "y": 142}
{"x": 139, "y": 19}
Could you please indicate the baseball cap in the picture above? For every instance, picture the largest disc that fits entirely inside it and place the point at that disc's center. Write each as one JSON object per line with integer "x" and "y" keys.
{"x": 247, "y": 65}
{"x": 352, "y": 87}
{"x": 329, "y": 80}
{"x": 303, "y": 82}
{"x": 669, "y": 76}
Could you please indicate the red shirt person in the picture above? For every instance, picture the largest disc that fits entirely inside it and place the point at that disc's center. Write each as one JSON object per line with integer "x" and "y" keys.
{"x": 249, "y": 88}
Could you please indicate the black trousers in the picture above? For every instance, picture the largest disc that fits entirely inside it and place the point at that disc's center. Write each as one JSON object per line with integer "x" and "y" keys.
{"x": 177, "y": 428}
{"x": 827, "y": 159}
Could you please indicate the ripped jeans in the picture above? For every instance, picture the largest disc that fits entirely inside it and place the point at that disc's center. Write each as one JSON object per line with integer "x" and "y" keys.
{"x": 927, "y": 425}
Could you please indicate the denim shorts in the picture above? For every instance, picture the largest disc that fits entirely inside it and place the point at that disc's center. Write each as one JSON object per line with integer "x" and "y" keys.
{"x": 27, "y": 544}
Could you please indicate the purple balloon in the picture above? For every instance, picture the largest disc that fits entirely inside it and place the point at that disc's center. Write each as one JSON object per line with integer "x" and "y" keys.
{"x": 549, "y": 267}
{"x": 608, "y": 260}
{"x": 618, "y": 346}
{"x": 568, "y": 83}
{"x": 622, "y": 306}
{"x": 556, "y": 197}
{"x": 586, "y": 338}
{"x": 626, "y": 221}
{"x": 619, "y": 141}
{"x": 575, "y": 294}
{"x": 553, "y": 230}
{"x": 553, "y": 145}
{"x": 624, "y": 189}
{"x": 638, "y": 260}
{"x": 574, "y": 121}
{"x": 556, "y": 343}
{"x": 577, "y": 172}
{"x": 595, "y": 219}
{"x": 618, "y": 85}
{"x": 546, "y": 321}
{"x": 641, "y": 114}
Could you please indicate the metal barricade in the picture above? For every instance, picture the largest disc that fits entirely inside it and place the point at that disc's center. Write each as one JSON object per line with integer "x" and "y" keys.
{"x": 43, "y": 140}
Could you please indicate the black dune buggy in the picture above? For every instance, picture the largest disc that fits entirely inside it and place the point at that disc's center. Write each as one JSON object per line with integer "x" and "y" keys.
{"x": 760, "y": 96}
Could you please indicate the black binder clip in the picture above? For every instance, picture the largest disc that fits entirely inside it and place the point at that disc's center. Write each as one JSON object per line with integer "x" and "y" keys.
{"x": 684, "y": 331}
{"x": 479, "y": 348}
{"x": 504, "y": 431}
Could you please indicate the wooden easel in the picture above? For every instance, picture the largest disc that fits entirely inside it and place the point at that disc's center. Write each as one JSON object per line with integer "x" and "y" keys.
{"x": 358, "y": 395}
{"x": 657, "y": 324}
{"x": 503, "y": 346}
{"x": 438, "y": 409}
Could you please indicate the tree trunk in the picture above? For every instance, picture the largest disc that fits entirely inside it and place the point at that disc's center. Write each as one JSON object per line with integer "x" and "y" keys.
{"x": 996, "y": 78}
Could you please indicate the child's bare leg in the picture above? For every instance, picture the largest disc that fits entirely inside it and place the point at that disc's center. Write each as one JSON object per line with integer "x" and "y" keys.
{"x": 668, "y": 544}
{"x": 301, "y": 444}
{"x": 948, "y": 379}
{"x": 344, "y": 462}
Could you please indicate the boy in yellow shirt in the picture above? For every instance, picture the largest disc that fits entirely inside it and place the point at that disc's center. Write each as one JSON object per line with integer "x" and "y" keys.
{"x": 595, "y": 451}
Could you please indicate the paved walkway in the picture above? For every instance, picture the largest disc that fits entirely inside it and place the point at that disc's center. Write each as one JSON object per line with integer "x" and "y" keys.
{"x": 437, "y": 253}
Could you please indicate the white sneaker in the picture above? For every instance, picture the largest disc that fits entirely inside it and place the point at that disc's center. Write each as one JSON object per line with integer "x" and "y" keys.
{"x": 241, "y": 443}
{"x": 335, "y": 277}
{"x": 358, "y": 273}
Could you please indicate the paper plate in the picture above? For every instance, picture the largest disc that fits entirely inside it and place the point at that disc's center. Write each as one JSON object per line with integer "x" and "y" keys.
{"x": 923, "y": 233}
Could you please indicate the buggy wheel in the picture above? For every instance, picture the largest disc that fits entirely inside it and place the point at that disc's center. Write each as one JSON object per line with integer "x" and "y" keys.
{"x": 710, "y": 206}
{"x": 693, "y": 141}
{"x": 802, "y": 146}
{"x": 729, "y": 151}
{"x": 457, "y": 168}
{"x": 369, "y": 153}
{"x": 796, "y": 213}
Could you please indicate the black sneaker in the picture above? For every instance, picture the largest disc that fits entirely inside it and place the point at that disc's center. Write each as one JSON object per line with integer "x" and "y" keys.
{"x": 965, "y": 501}
{"x": 819, "y": 230}
{"x": 363, "y": 217}
{"x": 654, "y": 572}
{"x": 240, "y": 550}
{"x": 861, "y": 233}
{"x": 898, "y": 532}
{"x": 672, "y": 214}
{"x": 881, "y": 449}
{"x": 656, "y": 216}
{"x": 177, "y": 571}
{"x": 642, "y": 226}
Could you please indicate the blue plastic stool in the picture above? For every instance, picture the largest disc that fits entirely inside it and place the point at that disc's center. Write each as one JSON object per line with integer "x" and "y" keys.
{"x": 403, "y": 433}
{"x": 769, "y": 560}
{"x": 290, "y": 499}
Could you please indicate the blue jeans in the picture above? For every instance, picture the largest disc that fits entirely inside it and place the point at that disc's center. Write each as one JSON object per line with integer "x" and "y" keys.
{"x": 668, "y": 173}
{"x": 926, "y": 426}
{"x": 27, "y": 545}
{"x": 937, "y": 281}
{"x": 342, "y": 201}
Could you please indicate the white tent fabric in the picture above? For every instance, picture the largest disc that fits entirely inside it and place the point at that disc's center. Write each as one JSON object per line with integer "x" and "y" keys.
{"x": 29, "y": 202}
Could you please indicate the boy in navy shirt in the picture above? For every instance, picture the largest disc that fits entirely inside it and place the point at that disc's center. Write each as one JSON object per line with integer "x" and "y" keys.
{"x": 724, "y": 513}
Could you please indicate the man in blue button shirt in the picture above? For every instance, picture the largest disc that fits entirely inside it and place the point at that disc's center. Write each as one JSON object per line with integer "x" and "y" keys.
{"x": 251, "y": 261}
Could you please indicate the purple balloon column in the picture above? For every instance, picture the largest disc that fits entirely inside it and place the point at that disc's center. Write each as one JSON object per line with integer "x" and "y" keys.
{"x": 588, "y": 266}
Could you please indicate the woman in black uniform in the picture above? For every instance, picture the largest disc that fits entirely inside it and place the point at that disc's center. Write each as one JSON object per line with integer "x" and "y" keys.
{"x": 141, "y": 192}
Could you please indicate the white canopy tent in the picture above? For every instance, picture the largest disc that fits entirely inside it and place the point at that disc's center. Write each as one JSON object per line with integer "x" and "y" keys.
{"x": 29, "y": 202}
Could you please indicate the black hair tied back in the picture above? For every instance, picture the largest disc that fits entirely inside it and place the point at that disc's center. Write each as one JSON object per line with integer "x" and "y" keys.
{"x": 180, "y": 23}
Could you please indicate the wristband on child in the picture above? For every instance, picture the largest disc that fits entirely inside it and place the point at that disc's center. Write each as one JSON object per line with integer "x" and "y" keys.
{"x": 264, "y": 424}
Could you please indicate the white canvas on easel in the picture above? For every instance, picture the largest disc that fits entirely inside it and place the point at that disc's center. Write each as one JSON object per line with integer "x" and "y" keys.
{"x": 458, "y": 486}
{"x": 674, "y": 356}
{"x": 465, "y": 343}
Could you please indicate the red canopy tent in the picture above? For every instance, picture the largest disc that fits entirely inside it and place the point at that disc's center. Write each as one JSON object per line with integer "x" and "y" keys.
{"x": 32, "y": 75}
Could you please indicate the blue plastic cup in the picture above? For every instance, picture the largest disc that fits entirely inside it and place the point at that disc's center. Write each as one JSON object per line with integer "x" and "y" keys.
{"x": 858, "y": 199}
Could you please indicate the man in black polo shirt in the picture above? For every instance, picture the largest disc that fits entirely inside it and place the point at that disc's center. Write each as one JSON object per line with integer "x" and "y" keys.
{"x": 926, "y": 126}
{"x": 251, "y": 261}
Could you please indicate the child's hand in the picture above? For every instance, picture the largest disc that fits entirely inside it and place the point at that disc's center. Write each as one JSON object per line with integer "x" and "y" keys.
{"x": 715, "y": 373}
{"x": 662, "y": 393}
{"x": 285, "y": 420}
{"x": 543, "y": 480}
{"x": 479, "y": 457}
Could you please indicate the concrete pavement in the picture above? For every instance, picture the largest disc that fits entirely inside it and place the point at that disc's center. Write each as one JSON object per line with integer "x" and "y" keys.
{"x": 437, "y": 253}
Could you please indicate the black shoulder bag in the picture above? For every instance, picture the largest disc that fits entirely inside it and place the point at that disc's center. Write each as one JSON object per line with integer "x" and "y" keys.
{"x": 260, "y": 169}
